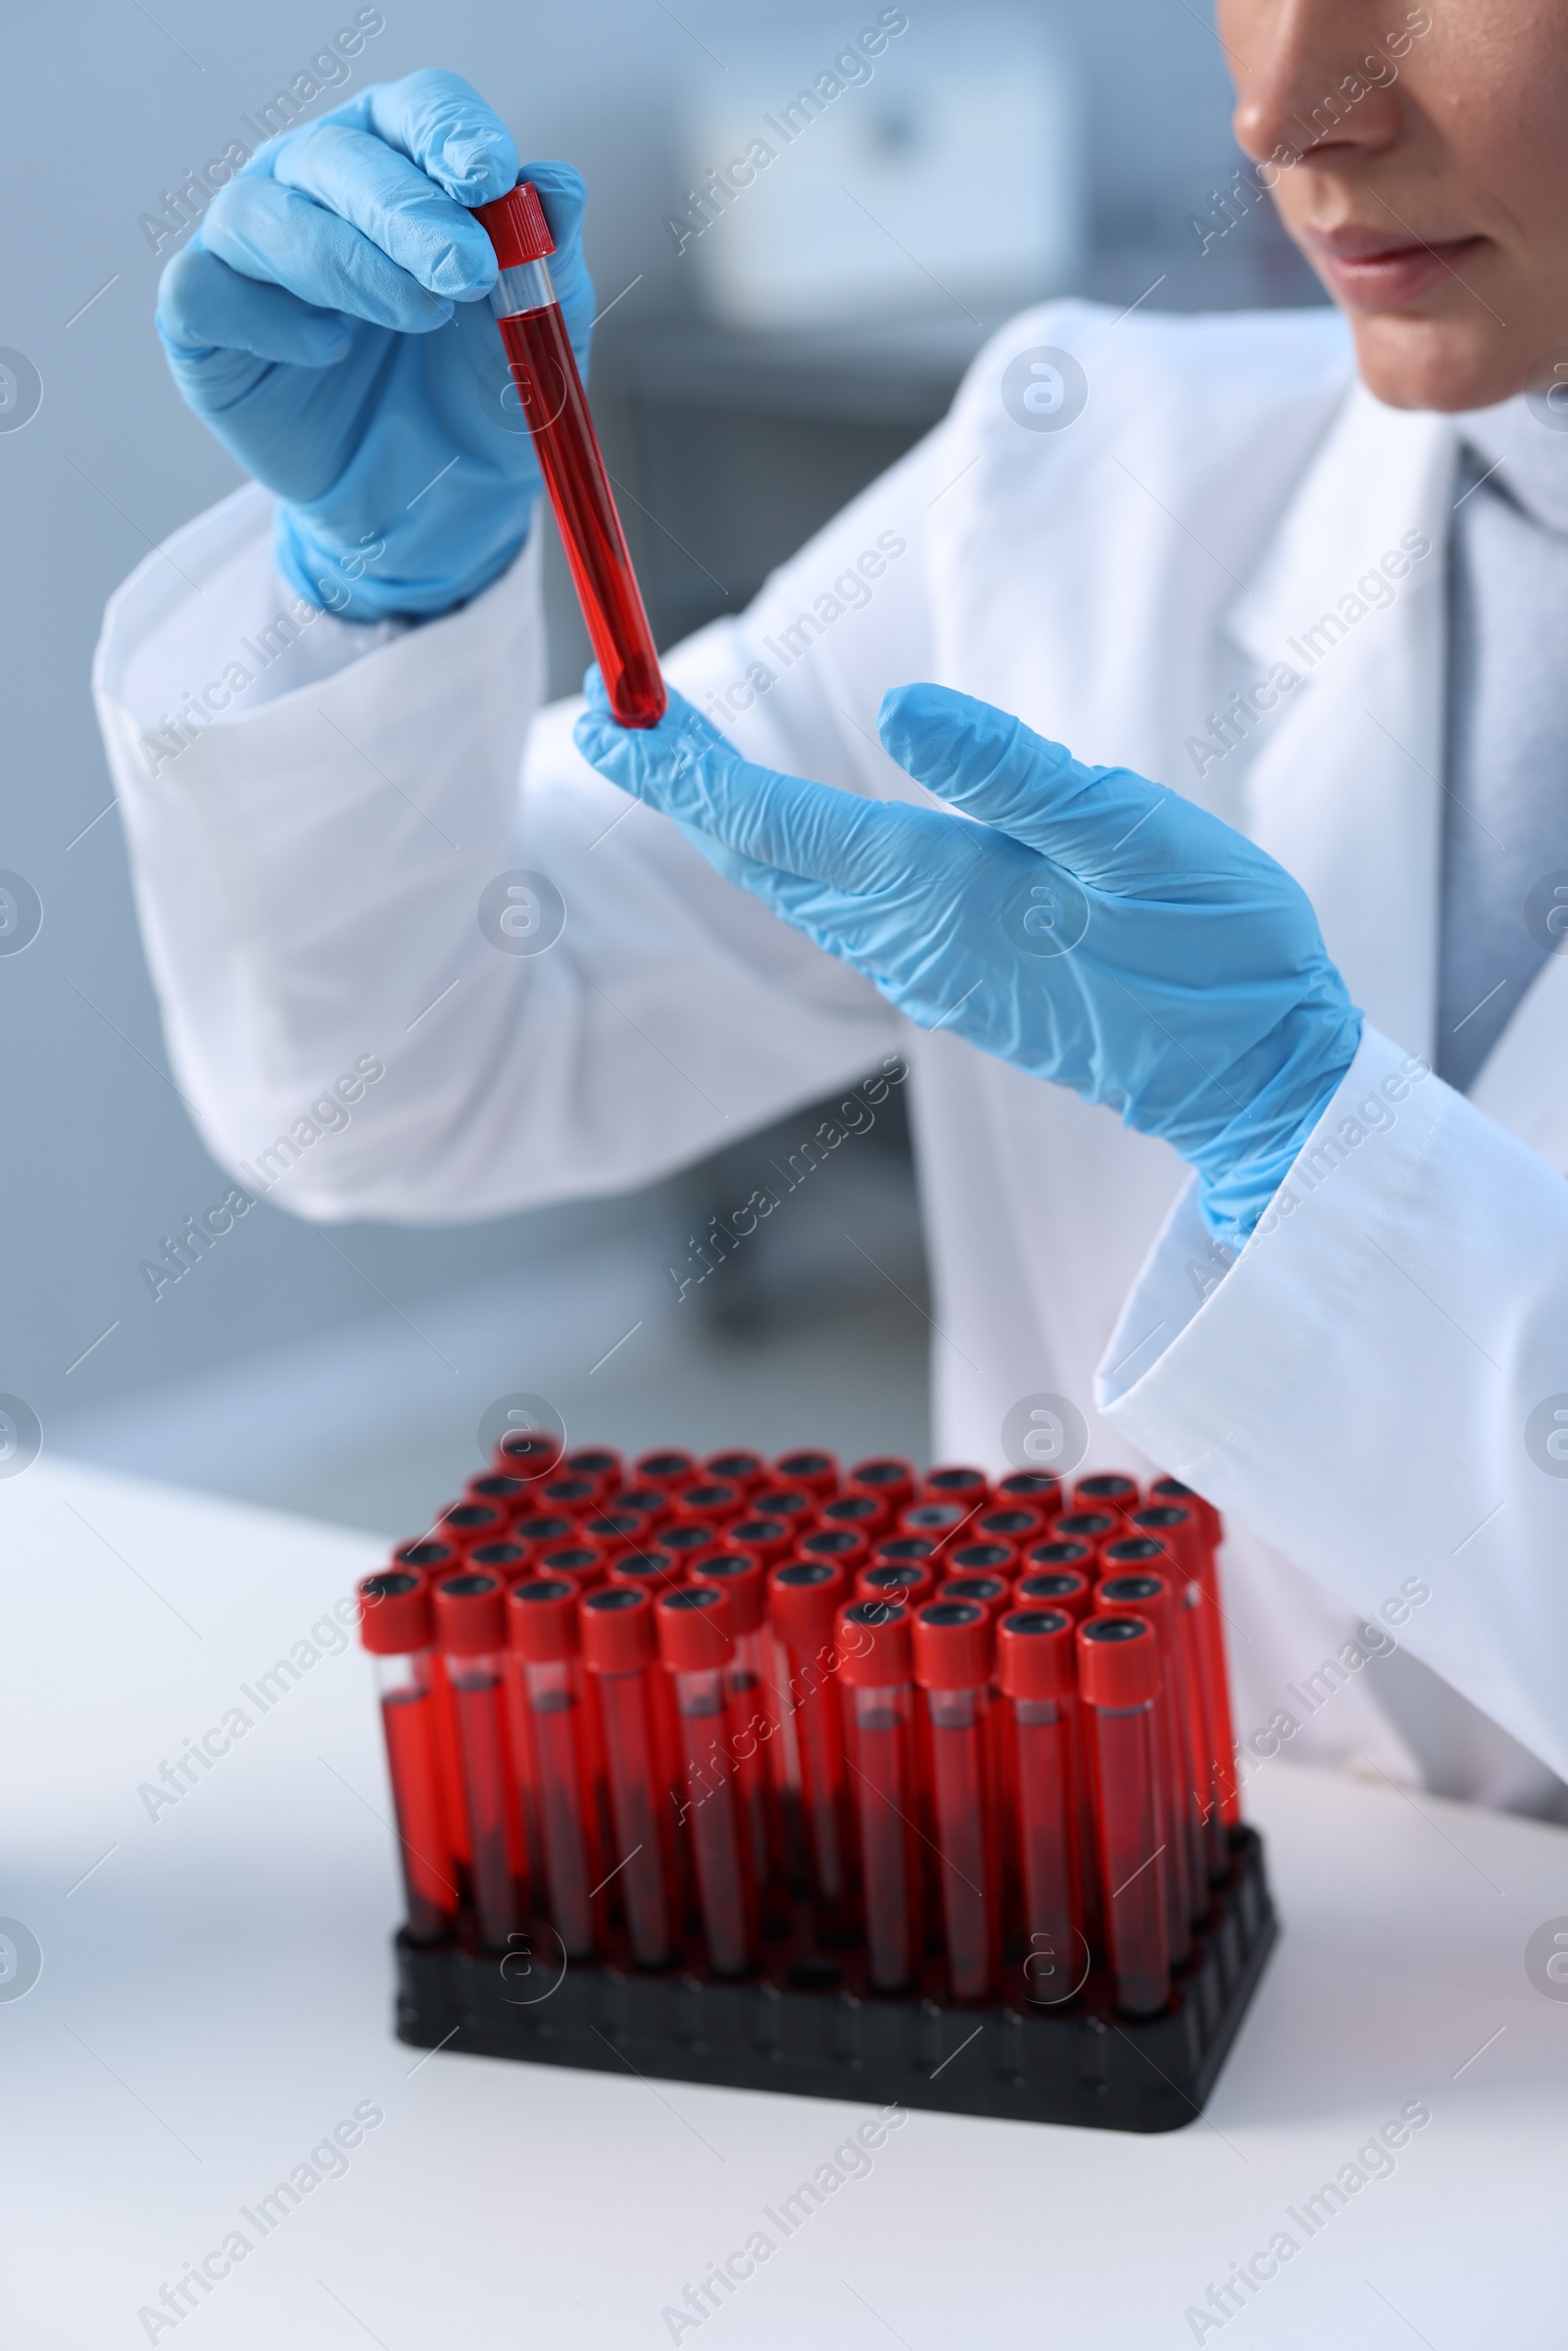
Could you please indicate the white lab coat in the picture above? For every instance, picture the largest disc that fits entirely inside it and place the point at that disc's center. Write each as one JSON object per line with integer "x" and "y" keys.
{"x": 1355, "y": 1392}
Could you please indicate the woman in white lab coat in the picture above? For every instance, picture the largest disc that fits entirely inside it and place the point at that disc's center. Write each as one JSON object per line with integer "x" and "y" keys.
{"x": 1201, "y": 549}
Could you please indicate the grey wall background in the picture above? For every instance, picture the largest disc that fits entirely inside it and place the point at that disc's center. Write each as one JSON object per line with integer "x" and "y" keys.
{"x": 105, "y": 108}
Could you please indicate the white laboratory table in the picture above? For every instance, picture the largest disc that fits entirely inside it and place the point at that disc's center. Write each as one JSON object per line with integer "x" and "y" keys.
{"x": 215, "y": 2001}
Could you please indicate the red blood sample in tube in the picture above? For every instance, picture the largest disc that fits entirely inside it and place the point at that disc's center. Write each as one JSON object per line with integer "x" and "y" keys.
{"x": 1105, "y": 1490}
{"x": 582, "y": 1563}
{"x": 1118, "y": 1682}
{"x": 1037, "y": 1674}
{"x": 426, "y": 1557}
{"x": 805, "y": 1598}
{"x": 873, "y": 1644}
{"x": 742, "y": 1468}
{"x": 907, "y": 1581}
{"x": 395, "y": 1626}
{"x": 817, "y": 1472}
{"x": 1149, "y": 1595}
{"x": 1177, "y": 1530}
{"x": 1205, "y": 1564}
{"x": 957, "y": 1484}
{"x": 542, "y": 1622}
{"x": 471, "y": 1627}
{"x": 622, "y": 1652}
{"x": 544, "y": 370}
{"x": 952, "y": 1652}
{"x": 892, "y": 1481}
{"x": 1036, "y": 1486}
{"x": 696, "y": 1643}
{"x": 753, "y": 1714}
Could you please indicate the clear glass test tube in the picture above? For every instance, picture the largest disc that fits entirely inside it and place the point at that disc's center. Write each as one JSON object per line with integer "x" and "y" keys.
{"x": 395, "y": 1626}
{"x": 952, "y": 1664}
{"x": 1118, "y": 1682}
{"x": 543, "y": 369}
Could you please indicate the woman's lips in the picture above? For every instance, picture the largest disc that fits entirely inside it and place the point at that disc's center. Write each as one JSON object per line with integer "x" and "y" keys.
{"x": 1368, "y": 276}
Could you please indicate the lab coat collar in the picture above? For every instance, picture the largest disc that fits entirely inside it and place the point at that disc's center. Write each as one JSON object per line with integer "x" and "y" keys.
{"x": 1342, "y": 776}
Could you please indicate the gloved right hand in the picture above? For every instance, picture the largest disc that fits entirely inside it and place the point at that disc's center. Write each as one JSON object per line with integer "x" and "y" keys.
{"x": 328, "y": 323}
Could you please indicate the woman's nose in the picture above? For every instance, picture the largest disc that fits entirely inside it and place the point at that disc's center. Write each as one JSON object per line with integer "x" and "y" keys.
{"x": 1308, "y": 80}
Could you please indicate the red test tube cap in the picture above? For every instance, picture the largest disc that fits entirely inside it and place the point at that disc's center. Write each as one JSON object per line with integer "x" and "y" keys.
{"x": 805, "y": 1598}
{"x": 696, "y": 1630}
{"x": 1065, "y": 1587}
{"x": 618, "y": 1630}
{"x": 742, "y": 1576}
{"x": 1138, "y": 1588}
{"x": 395, "y": 1613}
{"x": 1036, "y": 1657}
{"x": 666, "y": 1470}
{"x": 952, "y": 1645}
{"x": 425, "y": 1554}
{"x": 1119, "y": 1660}
{"x": 1105, "y": 1490}
{"x": 884, "y": 1475}
{"x": 872, "y": 1640}
{"x": 817, "y": 1472}
{"x": 908, "y": 1580}
{"x": 527, "y": 1453}
{"x": 738, "y": 1466}
{"x": 542, "y": 1622}
{"x": 470, "y": 1613}
{"x": 516, "y": 227}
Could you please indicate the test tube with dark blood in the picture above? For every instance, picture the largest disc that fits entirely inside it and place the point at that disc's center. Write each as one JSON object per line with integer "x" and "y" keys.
{"x": 430, "y": 1558}
{"x": 1150, "y": 1596}
{"x": 749, "y": 1689}
{"x": 890, "y": 1480}
{"x": 543, "y": 1624}
{"x": 817, "y": 1472}
{"x": 1118, "y": 1680}
{"x": 804, "y": 1597}
{"x": 470, "y": 1627}
{"x": 622, "y": 1652}
{"x": 1105, "y": 1490}
{"x": 696, "y": 1643}
{"x": 742, "y": 1468}
{"x": 873, "y": 1644}
{"x": 952, "y": 1663}
{"x": 1037, "y": 1677}
{"x": 395, "y": 1626}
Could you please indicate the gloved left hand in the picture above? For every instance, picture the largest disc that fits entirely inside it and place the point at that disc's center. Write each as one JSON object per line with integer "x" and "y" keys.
{"x": 328, "y": 323}
{"x": 1092, "y": 928}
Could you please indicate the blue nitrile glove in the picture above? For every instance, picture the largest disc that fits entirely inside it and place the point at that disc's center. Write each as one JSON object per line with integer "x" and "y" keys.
{"x": 1092, "y": 928}
{"x": 328, "y": 322}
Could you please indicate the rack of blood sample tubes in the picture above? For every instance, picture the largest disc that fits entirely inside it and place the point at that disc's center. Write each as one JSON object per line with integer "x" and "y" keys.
{"x": 846, "y": 1780}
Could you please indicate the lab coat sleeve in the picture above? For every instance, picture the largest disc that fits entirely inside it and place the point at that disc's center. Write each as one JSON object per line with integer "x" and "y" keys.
{"x": 311, "y": 867}
{"x": 1379, "y": 1384}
